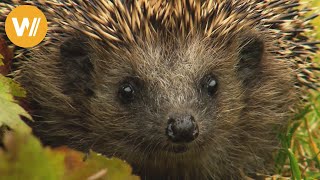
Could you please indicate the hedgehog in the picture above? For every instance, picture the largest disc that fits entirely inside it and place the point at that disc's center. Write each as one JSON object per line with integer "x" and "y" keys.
{"x": 179, "y": 89}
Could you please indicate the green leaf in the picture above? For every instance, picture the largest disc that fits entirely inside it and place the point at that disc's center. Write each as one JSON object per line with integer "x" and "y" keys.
{"x": 294, "y": 165}
{"x": 25, "y": 158}
{"x": 10, "y": 111}
{"x": 280, "y": 160}
{"x": 97, "y": 166}
{"x": 15, "y": 88}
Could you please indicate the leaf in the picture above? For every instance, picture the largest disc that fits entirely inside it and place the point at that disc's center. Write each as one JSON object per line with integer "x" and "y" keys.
{"x": 294, "y": 165}
{"x": 15, "y": 88}
{"x": 95, "y": 166}
{"x": 10, "y": 111}
{"x": 25, "y": 158}
{"x": 280, "y": 160}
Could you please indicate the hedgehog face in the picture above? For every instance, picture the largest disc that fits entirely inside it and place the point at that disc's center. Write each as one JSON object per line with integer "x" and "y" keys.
{"x": 176, "y": 100}
{"x": 173, "y": 97}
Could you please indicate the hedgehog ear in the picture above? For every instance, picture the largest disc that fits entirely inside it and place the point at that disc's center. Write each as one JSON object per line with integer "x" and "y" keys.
{"x": 250, "y": 56}
{"x": 75, "y": 60}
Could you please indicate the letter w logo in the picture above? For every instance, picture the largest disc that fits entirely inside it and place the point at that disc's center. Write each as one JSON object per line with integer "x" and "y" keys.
{"x": 25, "y": 25}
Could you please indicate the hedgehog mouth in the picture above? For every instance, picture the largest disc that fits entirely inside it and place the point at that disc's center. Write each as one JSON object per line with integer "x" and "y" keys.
{"x": 173, "y": 148}
{"x": 178, "y": 148}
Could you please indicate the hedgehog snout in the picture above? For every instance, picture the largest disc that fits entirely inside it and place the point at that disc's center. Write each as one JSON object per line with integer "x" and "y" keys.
{"x": 182, "y": 128}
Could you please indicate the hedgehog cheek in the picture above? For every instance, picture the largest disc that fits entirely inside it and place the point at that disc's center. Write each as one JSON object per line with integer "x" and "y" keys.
{"x": 77, "y": 66}
{"x": 250, "y": 56}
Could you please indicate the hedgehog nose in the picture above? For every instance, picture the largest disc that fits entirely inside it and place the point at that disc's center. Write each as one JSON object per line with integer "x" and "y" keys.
{"x": 182, "y": 129}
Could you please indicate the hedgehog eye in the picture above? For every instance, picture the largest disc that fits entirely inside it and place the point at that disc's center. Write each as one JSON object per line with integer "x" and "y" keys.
{"x": 128, "y": 89}
{"x": 126, "y": 92}
{"x": 210, "y": 84}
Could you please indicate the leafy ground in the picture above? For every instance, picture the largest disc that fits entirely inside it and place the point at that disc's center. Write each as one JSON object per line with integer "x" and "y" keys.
{"x": 22, "y": 155}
